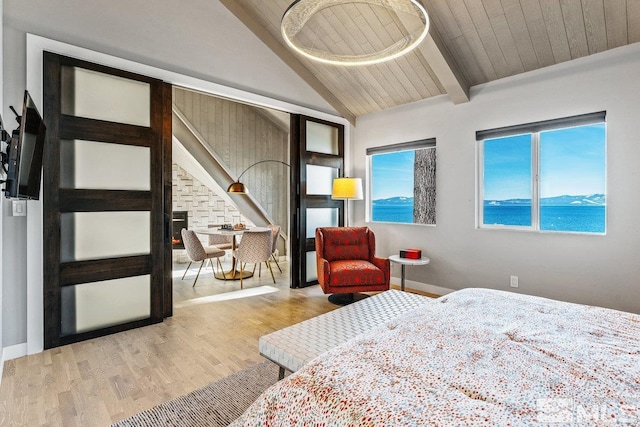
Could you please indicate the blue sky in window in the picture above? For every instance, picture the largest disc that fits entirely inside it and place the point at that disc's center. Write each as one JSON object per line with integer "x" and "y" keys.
{"x": 392, "y": 175}
{"x": 507, "y": 168}
{"x": 572, "y": 162}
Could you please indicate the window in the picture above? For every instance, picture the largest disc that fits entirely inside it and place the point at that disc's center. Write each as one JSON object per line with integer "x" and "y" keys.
{"x": 402, "y": 181}
{"x": 547, "y": 176}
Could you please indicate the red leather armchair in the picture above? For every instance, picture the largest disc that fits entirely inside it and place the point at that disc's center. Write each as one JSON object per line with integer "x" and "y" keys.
{"x": 347, "y": 263}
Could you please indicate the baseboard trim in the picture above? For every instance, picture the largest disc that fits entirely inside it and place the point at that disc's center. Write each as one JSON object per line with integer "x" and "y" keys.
{"x": 423, "y": 287}
{"x": 14, "y": 351}
{"x": 11, "y": 352}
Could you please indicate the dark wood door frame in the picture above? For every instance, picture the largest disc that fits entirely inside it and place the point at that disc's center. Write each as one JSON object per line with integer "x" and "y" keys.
{"x": 56, "y": 201}
{"x": 300, "y": 201}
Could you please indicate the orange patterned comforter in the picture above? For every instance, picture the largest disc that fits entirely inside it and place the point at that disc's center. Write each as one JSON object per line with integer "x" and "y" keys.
{"x": 476, "y": 357}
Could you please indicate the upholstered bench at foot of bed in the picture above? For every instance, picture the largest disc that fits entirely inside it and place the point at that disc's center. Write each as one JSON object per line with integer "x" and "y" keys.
{"x": 294, "y": 346}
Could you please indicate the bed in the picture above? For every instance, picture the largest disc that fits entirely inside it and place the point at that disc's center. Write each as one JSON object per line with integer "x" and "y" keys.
{"x": 474, "y": 357}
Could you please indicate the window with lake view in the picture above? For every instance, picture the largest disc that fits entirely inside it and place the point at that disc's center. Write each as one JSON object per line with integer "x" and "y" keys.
{"x": 403, "y": 183}
{"x": 550, "y": 179}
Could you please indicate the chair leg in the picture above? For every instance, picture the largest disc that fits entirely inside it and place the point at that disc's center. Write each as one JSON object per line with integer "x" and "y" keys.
{"x": 241, "y": 273}
{"x": 254, "y": 269}
{"x": 187, "y": 269}
{"x": 260, "y": 270}
{"x": 198, "y": 275}
{"x": 271, "y": 270}
{"x": 224, "y": 275}
{"x": 276, "y": 260}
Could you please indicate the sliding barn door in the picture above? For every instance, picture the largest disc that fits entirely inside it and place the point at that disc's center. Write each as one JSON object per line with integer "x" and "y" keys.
{"x": 317, "y": 153}
{"x": 107, "y": 200}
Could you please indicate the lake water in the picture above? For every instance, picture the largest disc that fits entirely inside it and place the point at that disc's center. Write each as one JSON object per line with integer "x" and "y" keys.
{"x": 393, "y": 213}
{"x": 585, "y": 219}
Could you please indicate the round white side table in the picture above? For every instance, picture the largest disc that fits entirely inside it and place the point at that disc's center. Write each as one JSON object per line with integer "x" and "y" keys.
{"x": 407, "y": 261}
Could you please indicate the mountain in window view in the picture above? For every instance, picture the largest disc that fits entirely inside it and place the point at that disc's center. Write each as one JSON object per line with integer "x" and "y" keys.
{"x": 394, "y": 201}
{"x": 565, "y": 200}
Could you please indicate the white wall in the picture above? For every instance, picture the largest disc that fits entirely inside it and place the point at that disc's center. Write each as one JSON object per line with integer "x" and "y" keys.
{"x": 197, "y": 38}
{"x": 599, "y": 270}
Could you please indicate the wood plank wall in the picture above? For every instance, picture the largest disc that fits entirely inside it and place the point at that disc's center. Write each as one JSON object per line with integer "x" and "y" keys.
{"x": 241, "y": 135}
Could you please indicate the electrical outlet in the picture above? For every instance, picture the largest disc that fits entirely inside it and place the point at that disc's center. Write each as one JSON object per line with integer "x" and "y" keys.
{"x": 514, "y": 281}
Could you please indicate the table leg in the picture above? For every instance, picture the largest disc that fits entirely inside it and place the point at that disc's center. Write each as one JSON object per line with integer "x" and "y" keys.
{"x": 233, "y": 274}
{"x": 402, "y": 277}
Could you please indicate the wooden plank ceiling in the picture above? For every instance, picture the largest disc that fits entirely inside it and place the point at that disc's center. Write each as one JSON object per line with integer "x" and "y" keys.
{"x": 470, "y": 42}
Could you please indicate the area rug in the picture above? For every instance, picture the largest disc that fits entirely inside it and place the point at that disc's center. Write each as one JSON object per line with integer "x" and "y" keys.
{"x": 217, "y": 404}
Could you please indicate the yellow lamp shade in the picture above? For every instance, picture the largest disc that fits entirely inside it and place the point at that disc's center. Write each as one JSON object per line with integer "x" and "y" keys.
{"x": 347, "y": 189}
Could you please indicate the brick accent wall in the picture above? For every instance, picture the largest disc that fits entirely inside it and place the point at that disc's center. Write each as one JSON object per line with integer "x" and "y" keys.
{"x": 204, "y": 207}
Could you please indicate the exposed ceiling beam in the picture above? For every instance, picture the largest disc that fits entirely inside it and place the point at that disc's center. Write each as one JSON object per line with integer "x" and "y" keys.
{"x": 443, "y": 65}
{"x": 289, "y": 58}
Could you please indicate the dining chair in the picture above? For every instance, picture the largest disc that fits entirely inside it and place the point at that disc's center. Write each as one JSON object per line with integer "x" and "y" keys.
{"x": 221, "y": 241}
{"x": 275, "y": 229}
{"x": 197, "y": 252}
{"x": 255, "y": 248}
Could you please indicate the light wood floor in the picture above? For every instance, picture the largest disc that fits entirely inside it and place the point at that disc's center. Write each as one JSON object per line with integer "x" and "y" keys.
{"x": 213, "y": 333}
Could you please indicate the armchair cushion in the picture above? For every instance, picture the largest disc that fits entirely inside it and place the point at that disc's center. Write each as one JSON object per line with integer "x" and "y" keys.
{"x": 355, "y": 273}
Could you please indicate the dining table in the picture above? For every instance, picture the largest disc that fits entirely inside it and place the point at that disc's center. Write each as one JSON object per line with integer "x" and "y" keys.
{"x": 234, "y": 273}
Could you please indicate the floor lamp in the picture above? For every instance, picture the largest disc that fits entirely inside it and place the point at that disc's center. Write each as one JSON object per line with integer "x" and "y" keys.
{"x": 239, "y": 188}
{"x": 347, "y": 189}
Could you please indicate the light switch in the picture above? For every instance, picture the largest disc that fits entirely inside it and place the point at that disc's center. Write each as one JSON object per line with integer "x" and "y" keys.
{"x": 19, "y": 207}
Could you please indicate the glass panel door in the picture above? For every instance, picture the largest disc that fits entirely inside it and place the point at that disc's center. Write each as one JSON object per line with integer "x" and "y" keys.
{"x": 102, "y": 96}
{"x": 97, "y": 165}
{"x": 107, "y": 200}
{"x": 318, "y": 157}
{"x": 97, "y": 305}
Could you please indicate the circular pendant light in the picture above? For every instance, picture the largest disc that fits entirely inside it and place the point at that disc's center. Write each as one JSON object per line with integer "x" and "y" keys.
{"x": 354, "y": 32}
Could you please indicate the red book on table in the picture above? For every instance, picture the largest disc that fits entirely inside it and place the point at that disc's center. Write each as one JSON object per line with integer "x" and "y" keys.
{"x": 411, "y": 253}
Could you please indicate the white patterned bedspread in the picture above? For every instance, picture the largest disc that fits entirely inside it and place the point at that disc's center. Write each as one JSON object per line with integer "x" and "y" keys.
{"x": 475, "y": 357}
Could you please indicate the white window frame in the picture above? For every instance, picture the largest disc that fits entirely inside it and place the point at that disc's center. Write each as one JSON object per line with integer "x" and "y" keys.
{"x": 392, "y": 148}
{"x": 533, "y": 129}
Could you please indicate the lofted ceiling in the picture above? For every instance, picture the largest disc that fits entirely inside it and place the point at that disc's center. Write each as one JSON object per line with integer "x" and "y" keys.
{"x": 470, "y": 42}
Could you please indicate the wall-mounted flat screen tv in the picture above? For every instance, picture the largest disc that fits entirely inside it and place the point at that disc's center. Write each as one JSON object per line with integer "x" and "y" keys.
{"x": 24, "y": 153}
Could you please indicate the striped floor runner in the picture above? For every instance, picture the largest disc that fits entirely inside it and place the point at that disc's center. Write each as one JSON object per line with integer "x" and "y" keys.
{"x": 216, "y": 404}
